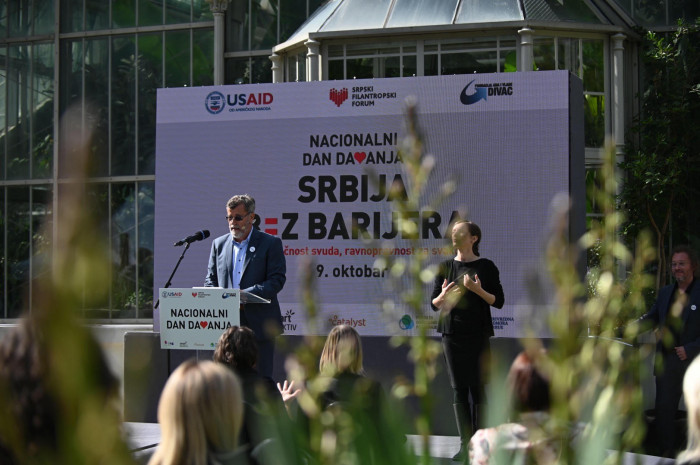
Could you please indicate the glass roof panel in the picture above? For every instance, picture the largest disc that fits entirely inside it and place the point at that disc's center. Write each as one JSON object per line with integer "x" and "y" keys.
{"x": 559, "y": 10}
{"x": 358, "y": 15}
{"x": 422, "y": 13}
{"x": 316, "y": 20}
{"x": 486, "y": 11}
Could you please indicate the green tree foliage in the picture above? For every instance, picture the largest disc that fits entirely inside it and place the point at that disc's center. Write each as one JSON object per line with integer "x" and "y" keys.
{"x": 662, "y": 158}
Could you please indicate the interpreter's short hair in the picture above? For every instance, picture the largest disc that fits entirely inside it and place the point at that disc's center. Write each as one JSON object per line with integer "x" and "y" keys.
{"x": 473, "y": 229}
{"x": 691, "y": 396}
{"x": 342, "y": 351}
{"x": 692, "y": 255}
{"x": 200, "y": 414}
{"x": 237, "y": 348}
{"x": 528, "y": 384}
{"x": 245, "y": 199}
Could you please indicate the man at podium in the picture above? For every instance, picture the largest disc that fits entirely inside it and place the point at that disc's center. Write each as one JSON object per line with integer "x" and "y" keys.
{"x": 252, "y": 261}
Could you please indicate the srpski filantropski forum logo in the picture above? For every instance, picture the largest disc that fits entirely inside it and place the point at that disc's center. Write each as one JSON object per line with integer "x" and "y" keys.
{"x": 360, "y": 96}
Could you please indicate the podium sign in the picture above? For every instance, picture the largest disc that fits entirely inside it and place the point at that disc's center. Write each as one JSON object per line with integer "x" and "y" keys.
{"x": 193, "y": 319}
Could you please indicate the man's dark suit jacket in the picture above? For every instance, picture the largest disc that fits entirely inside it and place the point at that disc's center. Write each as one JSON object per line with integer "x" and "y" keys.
{"x": 264, "y": 274}
{"x": 690, "y": 317}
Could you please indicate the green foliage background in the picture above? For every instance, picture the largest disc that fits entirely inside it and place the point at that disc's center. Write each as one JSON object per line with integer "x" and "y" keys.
{"x": 662, "y": 158}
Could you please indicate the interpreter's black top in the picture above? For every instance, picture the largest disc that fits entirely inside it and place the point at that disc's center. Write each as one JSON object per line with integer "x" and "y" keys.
{"x": 471, "y": 315}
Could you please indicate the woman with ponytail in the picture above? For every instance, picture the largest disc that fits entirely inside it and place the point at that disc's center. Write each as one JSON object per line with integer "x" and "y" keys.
{"x": 466, "y": 287}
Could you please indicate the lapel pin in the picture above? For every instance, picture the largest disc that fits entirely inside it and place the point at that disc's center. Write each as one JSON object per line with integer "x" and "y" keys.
{"x": 252, "y": 249}
{"x": 693, "y": 307}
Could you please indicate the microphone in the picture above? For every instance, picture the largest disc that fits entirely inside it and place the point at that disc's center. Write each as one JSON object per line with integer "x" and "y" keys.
{"x": 198, "y": 236}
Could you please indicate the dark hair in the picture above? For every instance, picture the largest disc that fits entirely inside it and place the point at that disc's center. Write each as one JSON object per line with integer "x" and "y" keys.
{"x": 688, "y": 250}
{"x": 530, "y": 387}
{"x": 237, "y": 348}
{"x": 474, "y": 230}
{"x": 30, "y": 400}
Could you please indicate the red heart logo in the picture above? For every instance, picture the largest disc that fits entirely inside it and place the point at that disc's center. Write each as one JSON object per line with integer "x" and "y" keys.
{"x": 203, "y": 324}
{"x": 194, "y": 294}
{"x": 338, "y": 96}
{"x": 360, "y": 156}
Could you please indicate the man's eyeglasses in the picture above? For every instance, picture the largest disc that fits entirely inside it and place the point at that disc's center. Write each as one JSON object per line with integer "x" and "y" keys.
{"x": 236, "y": 217}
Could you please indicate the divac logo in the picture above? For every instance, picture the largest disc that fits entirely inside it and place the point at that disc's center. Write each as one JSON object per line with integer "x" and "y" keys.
{"x": 478, "y": 94}
{"x": 482, "y": 91}
{"x": 215, "y": 102}
{"x": 338, "y": 96}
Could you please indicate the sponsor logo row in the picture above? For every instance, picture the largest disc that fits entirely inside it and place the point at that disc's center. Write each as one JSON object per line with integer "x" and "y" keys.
{"x": 197, "y": 294}
{"x": 354, "y": 96}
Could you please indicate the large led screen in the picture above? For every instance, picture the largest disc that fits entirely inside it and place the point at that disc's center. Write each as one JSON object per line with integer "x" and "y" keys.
{"x": 309, "y": 153}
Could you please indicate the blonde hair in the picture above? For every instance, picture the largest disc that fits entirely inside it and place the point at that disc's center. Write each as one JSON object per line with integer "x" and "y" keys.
{"x": 691, "y": 395}
{"x": 342, "y": 351}
{"x": 200, "y": 414}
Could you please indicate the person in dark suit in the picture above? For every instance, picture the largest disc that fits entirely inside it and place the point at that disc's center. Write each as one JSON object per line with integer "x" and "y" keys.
{"x": 253, "y": 261}
{"x": 676, "y": 313}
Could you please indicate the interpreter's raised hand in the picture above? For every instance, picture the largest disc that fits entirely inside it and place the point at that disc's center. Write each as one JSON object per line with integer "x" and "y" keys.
{"x": 287, "y": 391}
{"x": 449, "y": 296}
{"x": 473, "y": 285}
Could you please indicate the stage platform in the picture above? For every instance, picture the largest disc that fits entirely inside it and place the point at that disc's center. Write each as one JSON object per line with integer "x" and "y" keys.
{"x": 144, "y": 437}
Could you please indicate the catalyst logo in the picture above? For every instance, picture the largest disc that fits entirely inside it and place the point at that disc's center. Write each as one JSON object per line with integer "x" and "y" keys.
{"x": 215, "y": 102}
{"x": 483, "y": 91}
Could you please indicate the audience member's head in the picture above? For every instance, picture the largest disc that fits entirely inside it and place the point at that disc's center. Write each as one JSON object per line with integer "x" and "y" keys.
{"x": 692, "y": 256}
{"x": 342, "y": 351}
{"x": 691, "y": 395}
{"x": 30, "y": 404}
{"x": 528, "y": 384}
{"x": 200, "y": 414}
{"x": 237, "y": 348}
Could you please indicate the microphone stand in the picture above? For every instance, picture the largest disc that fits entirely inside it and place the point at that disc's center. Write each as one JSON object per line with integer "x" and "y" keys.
{"x": 169, "y": 283}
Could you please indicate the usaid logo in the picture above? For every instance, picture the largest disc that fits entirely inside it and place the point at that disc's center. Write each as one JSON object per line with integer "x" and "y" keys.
{"x": 215, "y": 102}
{"x": 166, "y": 294}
